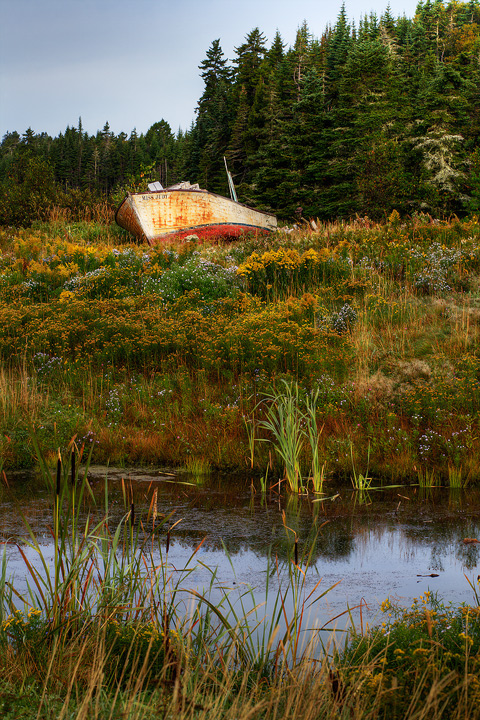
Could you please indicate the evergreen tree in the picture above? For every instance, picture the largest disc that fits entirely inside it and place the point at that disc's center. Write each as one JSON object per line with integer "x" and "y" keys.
{"x": 250, "y": 55}
{"x": 440, "y": 144}
{"x": 214, "y": 119}
{"x": 361, "y": 120}
{"x": 313, "y": 120}
{"x": 337, "y": 52}
{"x": 159, "y": 147}
{"x": 28, "y": 190}
{"x": 275, "y": 55}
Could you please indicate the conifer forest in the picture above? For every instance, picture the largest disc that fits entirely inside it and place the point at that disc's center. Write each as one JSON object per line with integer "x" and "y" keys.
{"x": 357, "y": 120}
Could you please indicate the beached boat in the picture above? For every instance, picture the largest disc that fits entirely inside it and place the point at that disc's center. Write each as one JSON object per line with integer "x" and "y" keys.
{"x": 181, "y": 210}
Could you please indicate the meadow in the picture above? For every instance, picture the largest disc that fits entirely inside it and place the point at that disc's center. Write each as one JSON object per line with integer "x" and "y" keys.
{"x": 173, "y": 354}
{"x": 345, "y": 351}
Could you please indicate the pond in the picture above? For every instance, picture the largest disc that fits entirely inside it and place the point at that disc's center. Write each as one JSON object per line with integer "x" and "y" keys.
{"x": 395, "y": 543}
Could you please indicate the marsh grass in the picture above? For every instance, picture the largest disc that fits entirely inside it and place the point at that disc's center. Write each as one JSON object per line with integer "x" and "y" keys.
{"x": 284, "y": 421}
{"x": 198, "y": 467}
{"x": 360, "y": 481}
{"x": 109, "y": 617}
{"x": 250, "y": 430}
{"x": 109, "y": 628}
{"x": 426, "y": 477}
{"x": 291, "y": 422}
{"x": 20, "y": 395}
{"x": 456, "y": 478}
{"x": 313, "y": 434}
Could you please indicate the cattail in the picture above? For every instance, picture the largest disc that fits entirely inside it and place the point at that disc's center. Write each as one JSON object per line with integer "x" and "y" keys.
{"x": 155, "y": 508}
{"x": 59, "y": 472}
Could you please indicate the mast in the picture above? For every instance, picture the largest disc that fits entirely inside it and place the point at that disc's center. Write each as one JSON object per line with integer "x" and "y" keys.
{"x": 231, "y": 186}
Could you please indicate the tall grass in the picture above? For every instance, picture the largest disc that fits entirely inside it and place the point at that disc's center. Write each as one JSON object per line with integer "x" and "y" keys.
{"x": 19, "y": 395}
{"x": 110, "y": 628}
{"x": 284, "y": 420}
{"x": 426, "y": 477}
{"x": 361, "y": 480}
{"x": 199, "y": 468}
{"x": 455, "y": 477}
{"x": 313, "y": 433}
{"x": 421, "y": 662}
{"x": 93, "y": 570}
{"x": 111, "y": 597}
{"x": 289, "y": 427}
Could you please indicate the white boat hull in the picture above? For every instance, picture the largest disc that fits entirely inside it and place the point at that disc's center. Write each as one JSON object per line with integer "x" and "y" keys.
{"x": 168, "y": 214}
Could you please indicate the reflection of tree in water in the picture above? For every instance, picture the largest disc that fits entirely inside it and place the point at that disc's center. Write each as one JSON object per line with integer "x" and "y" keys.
{"x": 337, "y": 542}
{"x": 468, "y": 554}
{"x": 436, "y": 560}
{"x": 317, "y": 538}
{"x": 445, "y": 539}
{"x": 267, "y": 530}
{"x": 438, "y": 519}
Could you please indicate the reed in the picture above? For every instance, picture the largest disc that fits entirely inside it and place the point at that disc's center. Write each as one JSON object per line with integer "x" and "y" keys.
{"x": 455, "y": 477}
{"x": 284, "y": 421}
{"x": 198, "y": 467}
{"x": 359, "y": 689}
{"x": 361, "y": 481}
{"x": 92, "y": 570}
{"x": 250, "y": 429}
{"x": 426, "y": 477}
{"x": 100, "y": 570}
{"x": 264, "y": 482}
{"x": 20, "y": 396}
{"x": 313, "y": 433}
{"x": 112, "y": 629}
{"x": 106, "y": 618}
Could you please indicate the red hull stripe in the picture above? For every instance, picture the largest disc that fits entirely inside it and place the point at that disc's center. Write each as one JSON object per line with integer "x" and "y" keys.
{"x": 209, "y": 232}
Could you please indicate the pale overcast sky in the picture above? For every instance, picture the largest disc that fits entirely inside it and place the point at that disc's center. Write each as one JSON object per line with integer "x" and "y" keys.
{"x": 133, "y": 63}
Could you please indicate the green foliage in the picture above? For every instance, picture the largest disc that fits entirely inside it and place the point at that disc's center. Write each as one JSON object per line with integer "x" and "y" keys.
{"x": 357, "y": 121}
{"x": 288, "y": 426}
{"x": 209, "y": 281}
{"x": 28, "y": 190}
{"x": 361, "y": 482}
{"x": 381, "y": 320}
{"x": 414, "y": 648}
{"x": 283, "y": 420}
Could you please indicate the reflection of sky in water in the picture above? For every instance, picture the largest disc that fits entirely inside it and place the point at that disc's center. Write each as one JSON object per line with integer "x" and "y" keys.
{"x": 382, "y": 562}
{"x": 375, "y": 550}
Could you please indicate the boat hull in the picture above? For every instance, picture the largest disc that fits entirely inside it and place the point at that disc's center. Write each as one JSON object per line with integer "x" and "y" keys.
{"x": 175, "y": 214}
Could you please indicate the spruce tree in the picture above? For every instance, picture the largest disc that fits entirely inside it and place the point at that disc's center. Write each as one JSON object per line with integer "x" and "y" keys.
{"x": 214, "y": 119}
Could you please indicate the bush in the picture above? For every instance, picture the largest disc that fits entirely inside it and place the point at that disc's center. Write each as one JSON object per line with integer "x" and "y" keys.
{"x": 416, "y": 649}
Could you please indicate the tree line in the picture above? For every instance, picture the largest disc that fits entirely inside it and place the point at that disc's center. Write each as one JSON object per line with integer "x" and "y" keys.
{"x": 362, "y": 120}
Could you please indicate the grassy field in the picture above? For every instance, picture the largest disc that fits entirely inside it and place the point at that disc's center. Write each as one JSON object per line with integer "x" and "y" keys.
{"x": 169, "y": 355}
{"x": 349, "y": 351}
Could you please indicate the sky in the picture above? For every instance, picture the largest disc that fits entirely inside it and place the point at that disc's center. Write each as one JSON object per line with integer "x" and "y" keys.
{"x": 133, "y": 63}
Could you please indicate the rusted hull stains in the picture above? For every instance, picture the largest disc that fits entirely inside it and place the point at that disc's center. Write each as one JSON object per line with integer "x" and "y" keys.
{"x": 158, "y": 216}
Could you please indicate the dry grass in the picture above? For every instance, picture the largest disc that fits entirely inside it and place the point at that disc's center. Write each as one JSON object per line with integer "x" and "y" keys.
{"x": 20, "y": 396}
{"x": 75, "y": 680}
{"x": 99, "y": 212}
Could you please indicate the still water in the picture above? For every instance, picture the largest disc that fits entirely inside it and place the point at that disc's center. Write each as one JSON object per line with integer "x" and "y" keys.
{"x": 393, "y": 543}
